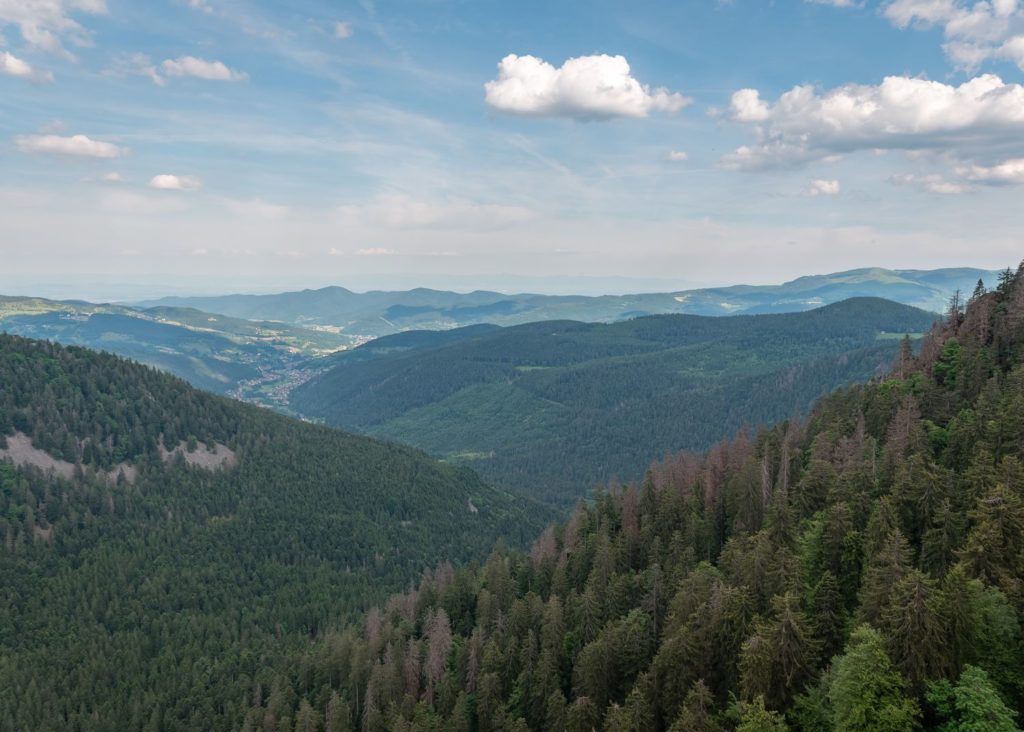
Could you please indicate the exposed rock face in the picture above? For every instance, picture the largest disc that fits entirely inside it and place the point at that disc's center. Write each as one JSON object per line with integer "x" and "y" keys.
{"x": 220, "y": 457}
{"x": 20, "y": 451}
{"x": 23, "y": 453}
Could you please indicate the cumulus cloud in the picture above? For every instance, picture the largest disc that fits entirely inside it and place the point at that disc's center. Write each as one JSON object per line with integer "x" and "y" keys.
{"x": 46, "y": 23}
{"x": 403, "y": 212}
{"x": 901, "y": 113}
{"x": 168, "y": 182}
{"x": 678, "y": 156}
{"x": 975, "y": 32}
{"x": 586, "y": 87}
{"x": 822, "y": 187}
{"x": 113, "y": 177}
{"x": 75, "y": 145}
{"x": 201, "y": 69}
{"x": 342, "y": 30}
{"x": 14, "y": 66}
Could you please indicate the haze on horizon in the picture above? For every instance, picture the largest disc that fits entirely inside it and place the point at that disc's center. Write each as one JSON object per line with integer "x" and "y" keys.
{"x": 201, "y": 146}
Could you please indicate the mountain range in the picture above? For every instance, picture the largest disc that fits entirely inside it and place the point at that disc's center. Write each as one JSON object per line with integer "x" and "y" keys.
{"x": 260, "y": 347}
{"x": 379, "y": 313}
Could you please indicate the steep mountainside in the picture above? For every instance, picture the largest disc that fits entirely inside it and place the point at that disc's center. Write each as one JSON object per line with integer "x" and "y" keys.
{"x": 857, "y": 572}
{"x": 380, "y": 313}
{"x": 553, "y": 408}
{"x": 161, "y": 544}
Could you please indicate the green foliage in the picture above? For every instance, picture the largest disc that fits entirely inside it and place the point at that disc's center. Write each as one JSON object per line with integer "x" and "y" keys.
{"x": 717, "y": 595}
{"x": 758, "y": 719}
{"x": 551, "y": 409}
{"x": 867, "y": 693}
{"x": 720, "y": 593}
{"x": 210, "y": 351}
{"x": 170, "y": 599}
{"x": 971, "y": 705}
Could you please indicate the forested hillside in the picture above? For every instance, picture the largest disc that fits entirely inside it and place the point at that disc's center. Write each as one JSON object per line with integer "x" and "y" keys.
{"x": 247, "y": 359}
{"x": 860, "y": 571}
{"x": 147, "y": 582}
{"x": 552, "y": 409}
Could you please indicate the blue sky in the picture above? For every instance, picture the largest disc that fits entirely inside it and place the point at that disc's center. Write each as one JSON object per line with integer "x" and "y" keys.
{"x": 210, "y": 145}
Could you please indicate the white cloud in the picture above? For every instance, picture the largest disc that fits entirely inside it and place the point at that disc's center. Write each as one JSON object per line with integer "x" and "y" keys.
{"x": 14, "y": 66}
{"x": 822, "y": 187}
{"x": 201, "y": 69}
{"x": 257, "y": 208}
{"x": 44, "y": 23}
{"x": 1004, "y": 173}
{"x": 402, "y": 212}
{"x": 837, "y": 3}
{"x": 76, "y": 145}
{"x": 932, "y": 183}
{"x": 586, "y": 87}
{"x": 167, "y": 182}
{"x": 975, "y": 31}
{"x": 678, "y": 156}
{"x": 375, "y": 252}
{"x": 138, "y": 63}
{"x": 900, "y": 113}
{"x": 113, "y": 177}
{"x": 342, "y": 30}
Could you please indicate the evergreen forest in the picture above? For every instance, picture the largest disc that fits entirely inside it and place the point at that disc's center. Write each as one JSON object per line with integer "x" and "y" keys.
{"x": 860, "y": 570}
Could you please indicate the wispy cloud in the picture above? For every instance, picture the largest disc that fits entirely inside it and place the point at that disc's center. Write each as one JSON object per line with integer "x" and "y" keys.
{"x": 201, "y": 69}
{"x": 47, "y": 24}
{"x": 402, "y": 212}
{"x": 822, "y": 187}
{"x": 75, "y": 145}
{"x": 11, "y": 65}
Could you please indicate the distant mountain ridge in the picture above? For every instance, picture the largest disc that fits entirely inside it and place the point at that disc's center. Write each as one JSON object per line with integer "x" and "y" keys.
{"x": 377, "y": 313}
{"x": 259, "y": 348}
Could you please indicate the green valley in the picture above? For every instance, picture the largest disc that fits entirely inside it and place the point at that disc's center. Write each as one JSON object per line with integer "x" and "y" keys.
{"x": 552, "y": 409}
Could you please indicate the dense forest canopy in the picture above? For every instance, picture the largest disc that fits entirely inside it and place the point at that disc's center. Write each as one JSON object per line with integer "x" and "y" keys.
{"x": 552, "y": 409}
{"x": 857, "y": 571}
{"x": 158, "y": 597}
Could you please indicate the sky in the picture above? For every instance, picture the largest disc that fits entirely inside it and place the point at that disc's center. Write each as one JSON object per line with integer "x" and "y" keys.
{"x": 205, "y": 146}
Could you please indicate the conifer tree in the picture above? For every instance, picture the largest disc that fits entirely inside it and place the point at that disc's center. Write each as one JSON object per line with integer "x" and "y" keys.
{"x": 867, "y": 694}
